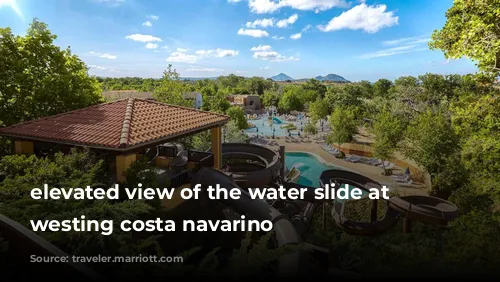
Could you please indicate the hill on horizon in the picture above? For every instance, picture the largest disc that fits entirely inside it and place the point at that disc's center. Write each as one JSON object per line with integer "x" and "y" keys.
{"x": 281, "y": 77}
{"x": 329, "y": 77}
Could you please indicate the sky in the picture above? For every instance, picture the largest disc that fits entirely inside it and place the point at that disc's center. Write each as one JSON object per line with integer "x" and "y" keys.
{"x": 359, "y": 40}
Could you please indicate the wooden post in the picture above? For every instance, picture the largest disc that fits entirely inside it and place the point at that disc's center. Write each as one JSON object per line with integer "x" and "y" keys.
{"x": 24, "y": 147}
{"x": 282, "y": 156}
{"x": 374, "y": 211}
{"x": 217, "y": 147}
{"x": 123, "y": 162}
{"x": 406, "y": 225}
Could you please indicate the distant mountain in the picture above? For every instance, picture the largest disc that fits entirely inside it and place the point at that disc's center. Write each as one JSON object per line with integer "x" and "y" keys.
{"x": 329, "y": 77}
{"x": 332, "y": 77}
{"x": 281, "y": 77}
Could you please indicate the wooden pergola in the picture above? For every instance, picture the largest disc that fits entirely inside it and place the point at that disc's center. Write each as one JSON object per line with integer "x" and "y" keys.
{"x": 124, "y": 127}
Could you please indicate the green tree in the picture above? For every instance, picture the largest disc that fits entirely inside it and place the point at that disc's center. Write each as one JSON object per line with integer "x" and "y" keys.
{"x": 388, "y": 131}
{"x": 348, "y": 95}
{"x": 172, "y": 89}
{"x": 318, "y": 110}
{"x": 381, "y": 87}
{"x": 315, "y": 85}
{"x": 238, "y": 116}
{"x": 344, "y": 124}
{"x": 367, "y": 88}
{"x": 291, "y": 100}
{"x": 233, "y": 134}
{"x": 431, "y": 141}
{"x": 471, "y": 30}
{"x": 477, "y": 121}
{"x": 310, "y": 128}
{"x": 39, "y": 79}
{"x": 217, "y": 103}
{"x": 270, "y": 99}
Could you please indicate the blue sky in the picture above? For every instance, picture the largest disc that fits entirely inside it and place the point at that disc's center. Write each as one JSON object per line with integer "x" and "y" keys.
{"x": 205, "y": 38}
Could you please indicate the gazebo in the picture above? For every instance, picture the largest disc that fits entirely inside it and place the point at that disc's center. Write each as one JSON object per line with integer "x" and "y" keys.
{"x": 123, "y": 129}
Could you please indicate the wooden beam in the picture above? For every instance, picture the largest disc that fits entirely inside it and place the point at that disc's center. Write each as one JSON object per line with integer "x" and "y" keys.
{"x": 217, "y": 147}
{"x": 24, "y": 147}
{"x": 123, "y": 162}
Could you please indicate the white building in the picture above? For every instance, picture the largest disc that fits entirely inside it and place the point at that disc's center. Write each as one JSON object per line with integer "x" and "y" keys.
{"x": 196, "y": 97}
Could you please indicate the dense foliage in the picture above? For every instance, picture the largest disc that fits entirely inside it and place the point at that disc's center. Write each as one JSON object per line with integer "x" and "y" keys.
{"x": 449, "y": 125}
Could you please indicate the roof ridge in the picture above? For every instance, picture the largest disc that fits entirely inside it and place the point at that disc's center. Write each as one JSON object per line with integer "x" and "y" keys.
{"x": 60, "y": 114}
{"x": 181, "y": 107}
{"x": 126, "y": 123}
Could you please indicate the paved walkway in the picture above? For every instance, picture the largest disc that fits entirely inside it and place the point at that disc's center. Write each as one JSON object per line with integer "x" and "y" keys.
{"x": 368, "y": 170}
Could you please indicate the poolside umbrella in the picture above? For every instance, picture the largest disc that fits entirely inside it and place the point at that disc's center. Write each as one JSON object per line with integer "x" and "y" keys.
{"x": 407, "y": 171}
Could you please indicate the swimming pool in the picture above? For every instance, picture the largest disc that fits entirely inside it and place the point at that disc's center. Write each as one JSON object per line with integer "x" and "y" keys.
{"x": 263, "y": 127}
{"x": 310, "y": 167}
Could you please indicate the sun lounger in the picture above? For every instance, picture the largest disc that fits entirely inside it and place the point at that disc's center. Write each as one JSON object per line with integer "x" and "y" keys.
{"x": 400, "y": 178}
{"x": 353, "y": 158}
{"x": 374, "y": 161}
{"x": 404, "y": 180}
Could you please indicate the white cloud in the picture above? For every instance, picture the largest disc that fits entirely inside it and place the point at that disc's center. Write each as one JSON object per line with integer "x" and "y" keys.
{"x": 265, "y": 52}
{"x": 392, "y": 51}
{"x": 199, "y": 69}
{"x": 112, "y": 2}
{"x": 217, "y": 53}
{"x": 286, "y": 22}
{"x": 103, "y": 55}
{"x": 97, "y": 67}
{"x": 108, "y": 56}
{"x": 233, "y": 1}
{"x": 180, "y": 57}
{"x": 277, "y": 37}
{"x": 270, "y": 22}
{"x": 151, "y": 46}
{"x": 253, "y": 32}
{"x": 100, "y": 68}
{"x": 269, "y": 6}
{"x": 299, "y": 35}
{"x": 273, "y": 56}
{"x": 147, "y": 23}
{"x": 265, "y": 68}
{"x": 407, "y": 40}
{"x": 368, "y": 18}
{"x": 260, "y": 22}
{"x": 261, "y": 48}
{"x": 400, "y": 46}
{"x": 143, "y": 38}
{"x": 153, "y": 17}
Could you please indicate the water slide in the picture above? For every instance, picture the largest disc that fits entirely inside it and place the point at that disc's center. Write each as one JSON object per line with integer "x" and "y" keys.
{"x": 263, "y": 169}
{"x": 256, "y": 209}
{"x": 277, "y": 120}
{"x": 426, "y": 209}
{"x": 368, "y": 229}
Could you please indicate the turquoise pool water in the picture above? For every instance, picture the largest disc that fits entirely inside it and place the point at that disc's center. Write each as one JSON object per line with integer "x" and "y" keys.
{"x": 262, "y": 127}
{"x": 310, "y": 167}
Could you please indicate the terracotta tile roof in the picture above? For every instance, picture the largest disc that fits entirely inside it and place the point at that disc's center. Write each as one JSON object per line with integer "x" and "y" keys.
{"x": 119, "y": 124}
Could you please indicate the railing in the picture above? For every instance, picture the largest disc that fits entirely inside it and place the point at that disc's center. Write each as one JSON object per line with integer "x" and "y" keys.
{"x": 202, "y": 158}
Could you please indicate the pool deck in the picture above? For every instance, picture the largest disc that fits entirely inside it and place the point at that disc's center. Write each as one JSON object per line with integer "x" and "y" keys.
{"x": 368, "y": 170}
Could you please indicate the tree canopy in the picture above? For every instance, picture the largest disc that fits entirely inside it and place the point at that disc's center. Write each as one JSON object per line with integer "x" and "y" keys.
{"x": 472, "y": 30}
{"x": 38, "y": 78}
